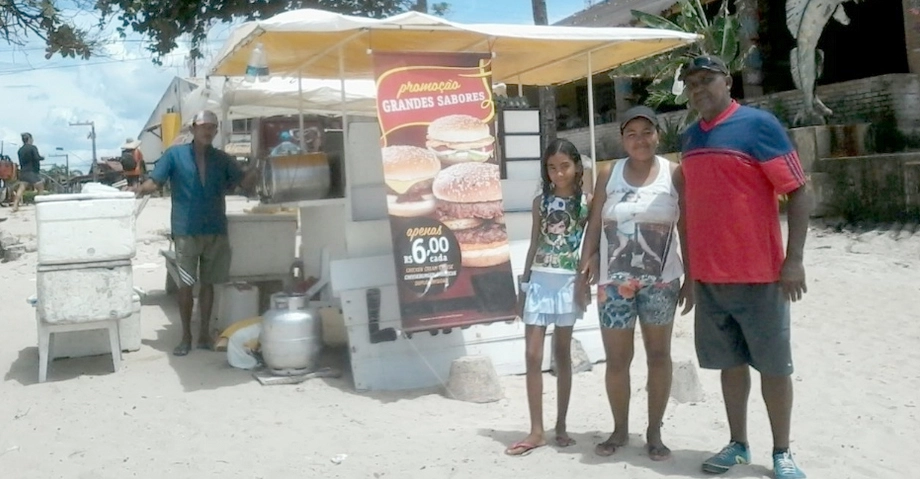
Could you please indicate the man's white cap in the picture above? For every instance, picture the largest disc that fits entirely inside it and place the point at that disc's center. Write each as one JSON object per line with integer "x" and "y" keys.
{"x": 205, "y": 117}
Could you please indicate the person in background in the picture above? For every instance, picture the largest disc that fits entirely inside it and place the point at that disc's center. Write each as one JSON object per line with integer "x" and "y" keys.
{"x": 132, "y": 161}
{"x": 286, "y": 147}
{"x": 199, "y": 175}
{"x": 29, "y": 170}
{"x": 736, "y": 162}
{"x": 552, "y": 291}
{"x": 638, "y": 273}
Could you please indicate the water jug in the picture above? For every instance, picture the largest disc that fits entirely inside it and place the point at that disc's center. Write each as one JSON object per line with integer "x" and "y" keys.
{"x": 257, "y": 68}
{"x": 291, "y": 335}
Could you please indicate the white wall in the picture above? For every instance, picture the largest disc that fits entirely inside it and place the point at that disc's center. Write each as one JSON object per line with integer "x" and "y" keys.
{"x": 152, "y": 142}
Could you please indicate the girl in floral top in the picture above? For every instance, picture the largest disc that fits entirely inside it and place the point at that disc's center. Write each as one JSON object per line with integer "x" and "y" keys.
{"x": 552, "y": 291}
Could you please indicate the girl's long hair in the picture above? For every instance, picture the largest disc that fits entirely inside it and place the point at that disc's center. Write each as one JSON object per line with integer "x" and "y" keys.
{"x": 565, "y": 147}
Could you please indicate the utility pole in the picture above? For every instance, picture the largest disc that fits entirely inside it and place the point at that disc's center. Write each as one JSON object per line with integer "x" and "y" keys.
{"x": 92, "y": 135}
{"x": 66, "y": 161}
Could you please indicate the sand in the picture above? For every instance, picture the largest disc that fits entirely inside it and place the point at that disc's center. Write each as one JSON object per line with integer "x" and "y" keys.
{"x": 856, "y": 346}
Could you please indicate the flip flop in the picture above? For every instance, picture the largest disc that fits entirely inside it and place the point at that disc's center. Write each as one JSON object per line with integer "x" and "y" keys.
{"x": 606, "y": 449}
{"x": 658, "y": 453}
{"x": 182, "y": 349}
{"x": 521, "y": 448}
{"x": 565, "y": 441}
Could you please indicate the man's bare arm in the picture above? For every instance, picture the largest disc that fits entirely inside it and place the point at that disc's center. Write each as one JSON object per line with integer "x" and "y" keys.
{"x": 146, "y": 188}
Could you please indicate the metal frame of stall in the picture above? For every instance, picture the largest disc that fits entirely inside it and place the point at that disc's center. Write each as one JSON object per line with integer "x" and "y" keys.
{"x": 381, "y": 356}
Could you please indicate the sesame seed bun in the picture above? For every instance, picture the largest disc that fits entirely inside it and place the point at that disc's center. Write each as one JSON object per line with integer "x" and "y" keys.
{"x": 468, "y": 183}
{"x": 485, "y": 255}
{"x": 407, "y": 163}
{"x": 458, "y": 129}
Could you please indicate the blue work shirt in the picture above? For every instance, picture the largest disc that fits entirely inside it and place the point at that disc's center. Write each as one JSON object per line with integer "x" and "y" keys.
{"x": 197, "y": 209}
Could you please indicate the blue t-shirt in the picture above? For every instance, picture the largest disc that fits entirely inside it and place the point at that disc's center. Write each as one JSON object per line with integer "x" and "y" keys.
{"x": 197, "y": 209}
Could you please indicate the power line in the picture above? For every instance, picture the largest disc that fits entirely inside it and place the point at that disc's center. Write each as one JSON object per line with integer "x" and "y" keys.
{"x": 76, "y": 65}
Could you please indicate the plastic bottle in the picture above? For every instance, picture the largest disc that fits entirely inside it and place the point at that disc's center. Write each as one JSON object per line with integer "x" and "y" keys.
{"x": 257, "y": 68}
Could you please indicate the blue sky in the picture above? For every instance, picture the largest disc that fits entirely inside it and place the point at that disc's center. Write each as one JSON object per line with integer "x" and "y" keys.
{"x": 119, "y": 89}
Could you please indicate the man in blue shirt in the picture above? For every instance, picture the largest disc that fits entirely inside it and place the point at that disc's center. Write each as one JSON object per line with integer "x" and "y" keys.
{"x": 199, "y": 176}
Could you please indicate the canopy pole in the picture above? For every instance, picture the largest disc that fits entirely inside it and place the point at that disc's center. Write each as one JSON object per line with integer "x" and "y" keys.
{"x": 347, "y": 166}
{"x": 342, "y": 95}
{"x": 591, "y": 115}
{"x": 224, "y": 114}
{"x": 520, "y": 87}
{"x": 303, "y": 134}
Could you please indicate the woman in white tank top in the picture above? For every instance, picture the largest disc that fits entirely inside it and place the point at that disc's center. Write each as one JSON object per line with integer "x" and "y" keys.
{"x": 631, "y": 250}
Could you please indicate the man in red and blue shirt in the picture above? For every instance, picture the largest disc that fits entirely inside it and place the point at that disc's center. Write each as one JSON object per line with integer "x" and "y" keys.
{"x": 736, "y": 163}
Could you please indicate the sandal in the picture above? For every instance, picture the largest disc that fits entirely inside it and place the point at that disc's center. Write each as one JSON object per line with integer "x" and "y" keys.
{"x": 606, "y": 449}
{"x": 564, "y": 441}
{"x": 658, "y": 453}
{"x": 521, "y": 448}
{"x": 182, "y": 349}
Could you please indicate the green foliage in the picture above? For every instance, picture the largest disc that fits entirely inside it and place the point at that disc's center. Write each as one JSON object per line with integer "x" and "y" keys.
{"x": 669, "y": 136}
{"x": 440, "y": 8}
{"x": 45, "y": 20}
{"x": 721, "y": 36}
{"x": 161, "y": 22}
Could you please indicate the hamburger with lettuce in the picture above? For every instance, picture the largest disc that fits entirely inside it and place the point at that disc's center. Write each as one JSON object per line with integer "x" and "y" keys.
{"x": 460, "y": 139}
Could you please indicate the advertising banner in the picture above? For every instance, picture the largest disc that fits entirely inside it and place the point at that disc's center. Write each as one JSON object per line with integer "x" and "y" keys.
{"x": 444, "y": 196}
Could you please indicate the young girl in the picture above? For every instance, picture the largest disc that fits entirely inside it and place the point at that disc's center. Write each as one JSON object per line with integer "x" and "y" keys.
{"x": 552, "y": 291}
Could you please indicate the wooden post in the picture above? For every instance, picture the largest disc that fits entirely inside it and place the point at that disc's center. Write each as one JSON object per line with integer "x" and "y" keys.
{"x": 547, "y": 93}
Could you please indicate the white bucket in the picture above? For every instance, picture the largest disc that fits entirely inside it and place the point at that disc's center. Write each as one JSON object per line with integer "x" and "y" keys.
{"x": 238, "y": 301}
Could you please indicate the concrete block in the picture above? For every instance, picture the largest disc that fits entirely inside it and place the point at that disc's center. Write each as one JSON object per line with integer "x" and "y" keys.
{"x": 473, "y": 379}
{"x": 580, "y": 360}
{"x": 685, "y": 383}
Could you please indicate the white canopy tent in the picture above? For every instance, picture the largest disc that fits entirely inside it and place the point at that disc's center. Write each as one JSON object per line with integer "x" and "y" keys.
{"x": 236, "y": 98}
{"x": 239, "y": 98}
{"x": 321, "y": 44}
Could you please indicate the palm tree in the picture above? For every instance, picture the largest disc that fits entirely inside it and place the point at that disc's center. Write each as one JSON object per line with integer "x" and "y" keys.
{"x": 721, "y": 36}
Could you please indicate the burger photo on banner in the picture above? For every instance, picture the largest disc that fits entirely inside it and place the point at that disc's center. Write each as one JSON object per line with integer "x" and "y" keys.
{"x": 443, "y": 190}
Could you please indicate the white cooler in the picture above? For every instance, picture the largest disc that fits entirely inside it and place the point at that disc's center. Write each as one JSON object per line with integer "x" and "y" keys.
{"x": 77, "y": 344}
{"x": 83, "y": 228}
{"x": 78, "y": 293}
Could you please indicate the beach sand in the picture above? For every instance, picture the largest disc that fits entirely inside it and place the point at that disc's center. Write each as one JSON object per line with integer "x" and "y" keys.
{"x": 856, "y": 340}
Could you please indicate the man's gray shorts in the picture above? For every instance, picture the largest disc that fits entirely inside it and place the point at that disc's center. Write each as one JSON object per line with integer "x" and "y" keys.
{"x": 739, "y": 324}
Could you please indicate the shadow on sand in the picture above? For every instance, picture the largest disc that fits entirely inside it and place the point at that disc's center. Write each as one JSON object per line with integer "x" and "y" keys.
{"x": 683, "y": 462}
{"x": 24, "y": 369}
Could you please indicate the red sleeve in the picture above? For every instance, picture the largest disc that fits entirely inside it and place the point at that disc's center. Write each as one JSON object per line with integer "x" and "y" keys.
{"x": 785, "y": 172}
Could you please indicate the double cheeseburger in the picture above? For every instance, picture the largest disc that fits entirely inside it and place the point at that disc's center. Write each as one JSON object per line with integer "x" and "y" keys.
{"x": 460, "y": 138}
{"x": 408, "y": 172}
{"x": 469, "y": 202}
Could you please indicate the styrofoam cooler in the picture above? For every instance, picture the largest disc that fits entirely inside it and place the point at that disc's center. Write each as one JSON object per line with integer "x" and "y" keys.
{"x": 81, "y": 228}
{"x": 77, "y": 344}
{"x": 77, "y": 293}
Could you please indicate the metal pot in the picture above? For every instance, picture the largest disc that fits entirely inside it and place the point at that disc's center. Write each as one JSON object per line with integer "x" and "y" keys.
{"x": 291, "y": 336}
{"x": 295, "y": 177}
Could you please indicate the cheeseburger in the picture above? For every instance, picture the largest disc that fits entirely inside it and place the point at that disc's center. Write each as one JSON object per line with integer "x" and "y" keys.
{"x": 408, "y": 172}
{"x": 469, "y": 202}
{"x": 460, "y": 138}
